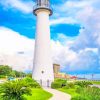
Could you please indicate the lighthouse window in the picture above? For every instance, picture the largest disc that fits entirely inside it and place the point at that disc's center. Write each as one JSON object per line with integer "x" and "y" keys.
{"x": 43, "y": 2}
{"x": 42, "y": 72}
{"x": 46, "y": 2}
{"x": 39, "y": 2}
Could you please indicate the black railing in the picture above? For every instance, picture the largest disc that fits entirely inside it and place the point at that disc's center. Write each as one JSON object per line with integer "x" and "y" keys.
{"x": 42, "y": 6}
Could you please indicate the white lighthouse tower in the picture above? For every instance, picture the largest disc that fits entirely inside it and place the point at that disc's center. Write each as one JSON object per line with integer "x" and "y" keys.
{"x": 42, "y": 67}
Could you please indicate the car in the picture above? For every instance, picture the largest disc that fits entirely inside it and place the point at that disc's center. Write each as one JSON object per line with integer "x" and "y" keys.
{"x": 11, "y": 78}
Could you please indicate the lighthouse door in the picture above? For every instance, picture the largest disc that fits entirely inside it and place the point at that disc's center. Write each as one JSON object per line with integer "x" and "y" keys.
{"x": 45, "y": 83}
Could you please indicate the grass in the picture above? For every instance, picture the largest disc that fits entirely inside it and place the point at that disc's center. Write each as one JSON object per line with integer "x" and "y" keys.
{"x": 96, "y": 82}
{"x": 39, "y": 94}
{"x": 93, "y": 82}
{"x": 71, "y": 91}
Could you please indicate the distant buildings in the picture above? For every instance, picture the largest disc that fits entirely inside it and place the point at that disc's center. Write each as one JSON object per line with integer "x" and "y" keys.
{"x": 56, "y": 68}
{"x": 58, "y": 74}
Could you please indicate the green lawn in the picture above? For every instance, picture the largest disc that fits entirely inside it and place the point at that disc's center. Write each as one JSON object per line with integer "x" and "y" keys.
{"x": 69, "y": 91}
{"x": 39, "y": 94}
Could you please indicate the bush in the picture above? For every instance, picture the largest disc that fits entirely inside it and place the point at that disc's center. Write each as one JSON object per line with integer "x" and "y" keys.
{"x": 2, "y": 76}
{"x": 31, "y": 82}
{"x": 58, "y": 83}
{"x": 79, "y": 89}
{"x": 88, "y": 93}
{"x": 70, "y": 85}
{"x": 61, "y": 81}
{"x": 79, "y": 98}
{"x": 14, "y": 90}
{"x": 93, "y": 92}
{"x": 35, "y": 85}
{"x": 83, "y": 83}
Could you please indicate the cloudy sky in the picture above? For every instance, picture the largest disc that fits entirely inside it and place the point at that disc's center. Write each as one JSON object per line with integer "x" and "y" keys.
{"x": 75, "y": 34}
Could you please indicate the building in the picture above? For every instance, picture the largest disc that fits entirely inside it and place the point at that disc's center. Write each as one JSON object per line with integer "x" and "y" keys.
{"x": 56, "y": 68}
{"x": 58, "y": 74}
{"x": 42, "y": 67}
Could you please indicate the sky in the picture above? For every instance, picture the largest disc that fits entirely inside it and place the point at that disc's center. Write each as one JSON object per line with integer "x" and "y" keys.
{"x": 75, "y": 35}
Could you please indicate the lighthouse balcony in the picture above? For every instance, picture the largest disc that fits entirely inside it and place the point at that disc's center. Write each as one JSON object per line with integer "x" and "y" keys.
{"x": 38, "y": 7}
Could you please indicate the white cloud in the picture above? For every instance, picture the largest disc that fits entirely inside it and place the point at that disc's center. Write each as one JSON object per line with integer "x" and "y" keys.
{"x": 12, "y": 42}
{"x": 74, "y": 4}
{"x": 65, "y": 13}
{"x": 20, "y": 62}
{"x": 25, "y": 7}
{"x": 86, "y": 13}
{"x": 87, "y": 43}
{"x": 86, "y": 61}
{"x": 62, "y": 54}
{"x": 90, "y": 36}
{"x": 63, "y": 20}
{"x": 95, "y": 50}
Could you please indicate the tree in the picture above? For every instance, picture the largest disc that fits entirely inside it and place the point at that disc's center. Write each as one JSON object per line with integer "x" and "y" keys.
{"x": 5, "y": 70}
{"x": 29, "y": 75}
{"x": 19, "y": 74}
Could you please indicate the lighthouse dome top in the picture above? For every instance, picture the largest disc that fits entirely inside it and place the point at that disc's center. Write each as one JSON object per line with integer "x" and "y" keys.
{"x": 42, "y": 4}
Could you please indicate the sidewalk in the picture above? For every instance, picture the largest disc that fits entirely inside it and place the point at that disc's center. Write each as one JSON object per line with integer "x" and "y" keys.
{"x": 57, "y": 95}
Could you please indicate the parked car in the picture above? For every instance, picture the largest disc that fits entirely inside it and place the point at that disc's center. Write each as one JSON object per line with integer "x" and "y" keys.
{"x": 11, "y": 78}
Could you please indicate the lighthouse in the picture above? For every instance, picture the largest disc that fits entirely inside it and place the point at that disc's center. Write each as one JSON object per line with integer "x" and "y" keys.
{"x": 42, "y": 67}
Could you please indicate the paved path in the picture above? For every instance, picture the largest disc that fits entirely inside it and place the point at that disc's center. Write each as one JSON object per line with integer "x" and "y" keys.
{"x": 2, "y": 81}
{"x": 57, "y": 95}
{"x": 96, "y": 85}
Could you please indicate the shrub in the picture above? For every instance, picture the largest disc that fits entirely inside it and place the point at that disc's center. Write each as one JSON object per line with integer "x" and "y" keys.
{"x": 79, "y": 98}
{"x": 56, "y": 85}
{"x": 61, "y": 81}
{"x": 35, "y": 85}
{"x": 79, "y": 89}
{"x": 14, "y": 90}
{"x": 2, "y": 76}
{"x": 31, "y": 82}
{"x": 93, "y": 92}
{"x": 70, "y": 85}
{"x": 83, "y": 83}
{"x": 88, "y": 93}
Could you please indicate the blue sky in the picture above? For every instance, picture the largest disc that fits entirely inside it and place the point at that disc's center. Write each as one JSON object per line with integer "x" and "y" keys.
{"x": 24, "y": 24}
{"x": 75, "y": 31}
